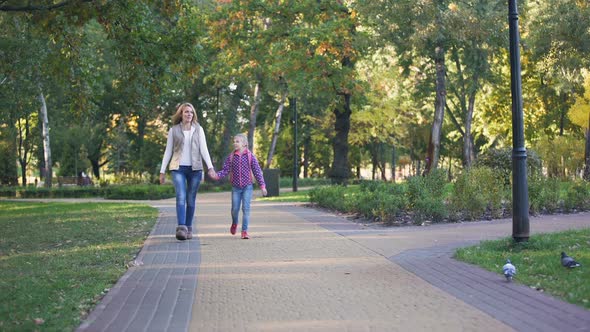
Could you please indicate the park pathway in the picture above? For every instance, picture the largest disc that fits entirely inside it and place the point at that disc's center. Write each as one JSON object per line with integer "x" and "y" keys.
{"x": 306, "y": 269}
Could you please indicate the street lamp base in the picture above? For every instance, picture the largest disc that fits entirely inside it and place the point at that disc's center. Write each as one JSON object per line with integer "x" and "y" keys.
{"x": 521, "y": 239}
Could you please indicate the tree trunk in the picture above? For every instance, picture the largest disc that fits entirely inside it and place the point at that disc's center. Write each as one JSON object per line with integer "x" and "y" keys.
{"x": 253, "y": 114}
{"x": 562, "y": 113}
{"x": 586, "y": 175}
{"x": 340, "y": 167}
{"x": 141, "y": 130}
{"x": 393, "y": 164}
{"x": 275, "y": 133}
{"x": 439, "y": 111}
{"x": 24, "y": 148}
{"x": 48, "y": 171}
{"x": 374, "y": 160}
{"x": 468, "y": 148}
{"x": 306, "y": 149}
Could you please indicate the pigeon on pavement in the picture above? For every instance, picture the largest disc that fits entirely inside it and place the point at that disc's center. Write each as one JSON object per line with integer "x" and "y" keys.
{"x": 509, "y": 270}
{"x": 567, "y": 261}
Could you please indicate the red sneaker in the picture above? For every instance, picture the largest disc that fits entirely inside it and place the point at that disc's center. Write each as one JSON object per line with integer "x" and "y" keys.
{"x": 245, "y": 235}
{"x": 232, "y": 229}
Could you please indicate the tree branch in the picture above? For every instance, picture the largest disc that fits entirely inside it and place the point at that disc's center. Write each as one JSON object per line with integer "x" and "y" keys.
{"x": 454, "y": 120}
{"x": 32, "y": 8}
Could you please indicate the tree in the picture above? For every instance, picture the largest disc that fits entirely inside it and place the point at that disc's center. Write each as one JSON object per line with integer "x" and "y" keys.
{"x": 33, "y": 6}
{"x": 477, "y": 35}
{"x": 47, "y": 161}
{"x": 558, "y": 46}
{"x": 26, "y": 49}
{"x": 276, "y": 131}
{"x": 417, "y": 30}
{"x": 387, "y": 111}
{"x": 579, "y": 114}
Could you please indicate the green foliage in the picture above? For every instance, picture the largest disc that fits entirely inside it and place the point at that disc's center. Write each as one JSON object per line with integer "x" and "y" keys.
{"x": 561, "y": 155}
{"x": 577, "y": 196}
{"x": 331, "y": 197}
{"x": 57, "y": 192}
{"x": 139, "y": 192}
{"x": 538, "y": 262}
{"x": 7, "y": 158}
{"x": 115, "y": 69}
{"x": 477, "y": 191}
{"x": 579, "y": 113}
{"x": 544, "y": 194}
{"x": 500, "y": 161}
{"x": 380, "y": 201}
{"x": 426, "y": 196}
{"x": 114, "y": 192}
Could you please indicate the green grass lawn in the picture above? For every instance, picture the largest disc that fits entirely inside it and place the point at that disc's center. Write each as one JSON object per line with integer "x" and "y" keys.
{"x": 288, "y": 196}
{"x": 538, "y": 262}
{"x": 58, "y": 259}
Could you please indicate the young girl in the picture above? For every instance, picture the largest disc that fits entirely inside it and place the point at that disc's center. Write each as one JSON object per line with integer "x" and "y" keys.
{"x": 240, "y": 165}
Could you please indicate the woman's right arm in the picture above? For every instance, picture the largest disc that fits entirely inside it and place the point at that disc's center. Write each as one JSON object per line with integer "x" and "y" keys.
{"x": 167, "y": 156}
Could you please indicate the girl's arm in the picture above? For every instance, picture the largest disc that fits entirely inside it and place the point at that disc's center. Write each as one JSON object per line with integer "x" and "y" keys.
{"x": 226, "y": 168}
{"x": 257, "y": 171}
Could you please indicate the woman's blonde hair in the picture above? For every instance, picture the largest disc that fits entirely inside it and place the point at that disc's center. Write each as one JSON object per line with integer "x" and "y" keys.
{"x": 242, "y": 138}
{"x": 177, "y": 117}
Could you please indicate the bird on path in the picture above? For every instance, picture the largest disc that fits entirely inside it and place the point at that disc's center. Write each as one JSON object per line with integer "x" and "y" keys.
{"x": 567, "y": 261}
{"x": 509, "y": 270}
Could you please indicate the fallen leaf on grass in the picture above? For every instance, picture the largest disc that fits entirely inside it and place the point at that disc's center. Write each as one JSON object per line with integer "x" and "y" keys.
{"x": 39, "y": 321}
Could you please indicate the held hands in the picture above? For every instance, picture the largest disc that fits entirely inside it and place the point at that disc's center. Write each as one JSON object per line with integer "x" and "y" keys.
{"x": 213, "y": 174}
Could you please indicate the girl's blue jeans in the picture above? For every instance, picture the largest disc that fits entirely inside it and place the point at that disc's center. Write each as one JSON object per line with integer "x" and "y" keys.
{"x": 186, "y": 183}
{"x": 241, "y": 196}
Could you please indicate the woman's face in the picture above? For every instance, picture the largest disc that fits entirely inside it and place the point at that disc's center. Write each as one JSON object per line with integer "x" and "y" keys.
{"x": 187, "y": 114}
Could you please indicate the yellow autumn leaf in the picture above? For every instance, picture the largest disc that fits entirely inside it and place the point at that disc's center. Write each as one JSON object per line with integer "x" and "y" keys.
{"x": 579, "y": 113}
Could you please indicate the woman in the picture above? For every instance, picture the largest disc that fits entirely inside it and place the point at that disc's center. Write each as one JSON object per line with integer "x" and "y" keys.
{"x": 186, "y": 149}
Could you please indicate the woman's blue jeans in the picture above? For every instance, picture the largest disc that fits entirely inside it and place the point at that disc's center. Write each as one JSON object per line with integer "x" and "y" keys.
{"x": 186, "y": 183}
{"x": 241, "y": 196}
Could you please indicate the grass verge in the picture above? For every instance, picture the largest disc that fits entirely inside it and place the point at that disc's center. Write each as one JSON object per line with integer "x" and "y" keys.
{"x": 58, "y": 259}
{"x": 538, "y": 262}
{"x": 288, "y": 196}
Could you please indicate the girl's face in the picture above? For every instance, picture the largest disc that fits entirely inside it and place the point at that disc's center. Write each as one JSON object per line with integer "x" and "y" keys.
{"x": 187, "y": 114}
{"x": 239, "y": 144}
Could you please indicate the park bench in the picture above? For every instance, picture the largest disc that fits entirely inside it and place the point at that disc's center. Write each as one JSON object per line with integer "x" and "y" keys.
{"x": 73, "y": 181}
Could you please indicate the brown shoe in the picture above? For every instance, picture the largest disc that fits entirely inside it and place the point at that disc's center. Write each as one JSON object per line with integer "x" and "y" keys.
{"x": 189, "y": 233}
{"x": 181, "y": 232}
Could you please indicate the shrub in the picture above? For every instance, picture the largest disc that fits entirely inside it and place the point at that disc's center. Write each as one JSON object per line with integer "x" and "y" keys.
{"x": 58, "y": 192}
{"x": 500, "y": 160}
{"x": 477, "y": 191}
{"x": 426, "y": 196}
{"x": 543, "y": 194}
{"x": 331, "y": 197}
{"x": 139, "y": 192}
{"x": 577, "y": 196}
{"x": 380, "y": 200}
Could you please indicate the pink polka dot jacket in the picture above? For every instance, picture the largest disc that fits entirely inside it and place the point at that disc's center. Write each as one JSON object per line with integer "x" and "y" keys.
{"x": 242, "y": 166}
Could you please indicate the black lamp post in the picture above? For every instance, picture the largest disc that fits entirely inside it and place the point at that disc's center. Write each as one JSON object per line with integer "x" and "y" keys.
{"x": 520, "y": 193}
{"x": 293, "y": 102}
